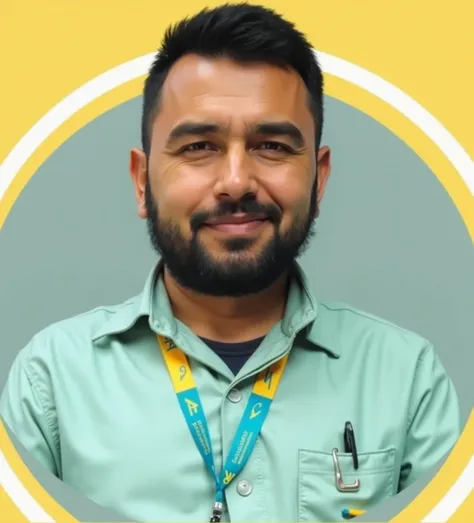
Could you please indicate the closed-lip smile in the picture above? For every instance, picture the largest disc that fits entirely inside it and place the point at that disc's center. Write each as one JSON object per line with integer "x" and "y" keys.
{"x": 237, "y": 218}
{"x": 237, "y": 224}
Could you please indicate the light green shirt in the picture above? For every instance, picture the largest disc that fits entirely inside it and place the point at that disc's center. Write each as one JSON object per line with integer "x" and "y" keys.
{"x": 90, "y": 397}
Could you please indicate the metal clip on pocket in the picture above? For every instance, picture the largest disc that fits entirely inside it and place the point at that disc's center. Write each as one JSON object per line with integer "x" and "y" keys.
{"x": 341, "y": 486}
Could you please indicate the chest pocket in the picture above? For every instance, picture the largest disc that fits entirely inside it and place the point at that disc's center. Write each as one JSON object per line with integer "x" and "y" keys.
{"x": 318, "y": 497}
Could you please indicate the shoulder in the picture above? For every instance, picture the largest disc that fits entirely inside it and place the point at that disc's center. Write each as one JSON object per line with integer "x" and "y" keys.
{"x": 72, "y": 339}
{"x": 360, "y": 332}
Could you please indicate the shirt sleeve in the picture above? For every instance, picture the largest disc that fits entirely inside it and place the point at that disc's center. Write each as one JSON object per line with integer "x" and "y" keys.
{"x": 434, "y": 422}
{"x": 27, "y": 410}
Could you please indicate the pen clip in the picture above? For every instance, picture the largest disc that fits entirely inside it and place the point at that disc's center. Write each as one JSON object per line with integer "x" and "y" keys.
{"x": 341, "y": 486}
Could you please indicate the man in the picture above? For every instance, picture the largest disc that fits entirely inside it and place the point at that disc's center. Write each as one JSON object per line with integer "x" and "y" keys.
{"x": 225, "y": 390}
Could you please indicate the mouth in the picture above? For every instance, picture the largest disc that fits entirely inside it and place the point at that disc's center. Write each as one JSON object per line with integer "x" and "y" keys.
{"x": 237, "y": 224}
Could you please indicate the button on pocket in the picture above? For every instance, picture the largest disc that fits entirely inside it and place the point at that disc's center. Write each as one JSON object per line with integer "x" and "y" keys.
{"x": 319, "y": 498}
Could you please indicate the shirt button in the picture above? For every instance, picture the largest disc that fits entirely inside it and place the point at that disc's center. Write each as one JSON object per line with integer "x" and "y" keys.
{"x": 234, "y": 396}
{"x": 244, "y": 487}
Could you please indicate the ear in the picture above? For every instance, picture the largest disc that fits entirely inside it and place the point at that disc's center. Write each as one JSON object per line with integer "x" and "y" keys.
{"x": 138, "y": 173}
{"x": 323, "y": 172}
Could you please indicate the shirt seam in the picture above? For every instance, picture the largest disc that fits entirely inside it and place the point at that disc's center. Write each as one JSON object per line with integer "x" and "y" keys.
{"x": 33, "y": 381}
{"x": 411, "y": 413}
{"x": 381, "y": 321}
{"x": 108, "y": 308}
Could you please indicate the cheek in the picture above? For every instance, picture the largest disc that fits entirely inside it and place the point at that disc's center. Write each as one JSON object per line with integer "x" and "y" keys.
{"x": 179, "y": 192}
{"x": 291, "y": 190}
{"x": 295, "y": 215}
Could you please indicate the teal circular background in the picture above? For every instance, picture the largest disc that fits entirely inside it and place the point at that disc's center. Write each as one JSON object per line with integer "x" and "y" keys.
{"x": 389, "y": 241}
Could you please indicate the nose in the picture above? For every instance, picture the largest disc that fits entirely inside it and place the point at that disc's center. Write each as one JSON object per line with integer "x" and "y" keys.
{"x": 236, "y": 178}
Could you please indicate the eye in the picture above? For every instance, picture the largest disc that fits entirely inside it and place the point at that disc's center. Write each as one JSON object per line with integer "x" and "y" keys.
{"x": 197, "y": 147}
{"x": 275, "y": 146}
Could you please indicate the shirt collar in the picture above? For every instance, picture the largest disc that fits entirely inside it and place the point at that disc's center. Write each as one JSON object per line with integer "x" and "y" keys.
{"x": 302, "y": 312}
{"x": 126, "y": 315}
{"x": 320, "y": 328}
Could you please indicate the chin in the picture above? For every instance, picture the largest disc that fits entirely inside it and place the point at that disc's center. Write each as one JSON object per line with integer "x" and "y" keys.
{"x": 240, "y": 256}
{"x": 240, "y": 249}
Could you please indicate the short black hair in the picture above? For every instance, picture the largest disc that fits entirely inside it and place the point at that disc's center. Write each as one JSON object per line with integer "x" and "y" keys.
{"x": 244, "y": 33}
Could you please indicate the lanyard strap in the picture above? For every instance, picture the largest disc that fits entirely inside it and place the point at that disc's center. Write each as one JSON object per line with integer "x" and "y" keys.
{"x": 249, "y": 427}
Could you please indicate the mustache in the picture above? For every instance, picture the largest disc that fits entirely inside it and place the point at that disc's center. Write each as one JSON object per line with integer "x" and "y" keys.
{"x": 226, "y": 208}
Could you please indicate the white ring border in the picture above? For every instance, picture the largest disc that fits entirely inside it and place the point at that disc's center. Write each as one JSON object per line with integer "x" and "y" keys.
{"x": 137, "y": 67}
{"x": 20, "y": 496}
{"x": 127, "y": 71}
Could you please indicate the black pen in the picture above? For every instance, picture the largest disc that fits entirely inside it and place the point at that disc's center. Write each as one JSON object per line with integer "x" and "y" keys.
{"x": 350, "y": 443}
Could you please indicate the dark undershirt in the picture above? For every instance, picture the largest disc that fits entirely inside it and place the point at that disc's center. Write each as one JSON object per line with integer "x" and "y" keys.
{"x": 234, "y": 355}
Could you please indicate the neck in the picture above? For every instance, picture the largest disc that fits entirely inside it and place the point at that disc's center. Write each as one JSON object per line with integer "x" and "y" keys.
{"x": 225, "y": 319}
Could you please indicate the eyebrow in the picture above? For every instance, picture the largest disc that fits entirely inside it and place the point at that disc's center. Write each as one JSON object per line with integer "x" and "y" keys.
{"x": 283, "y": 128}
{"x": 187, "y": 129}
{"x": 280, "y": 129}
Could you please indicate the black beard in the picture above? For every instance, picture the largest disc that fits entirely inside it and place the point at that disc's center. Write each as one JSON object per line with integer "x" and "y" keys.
{"x": 190, "y": 264}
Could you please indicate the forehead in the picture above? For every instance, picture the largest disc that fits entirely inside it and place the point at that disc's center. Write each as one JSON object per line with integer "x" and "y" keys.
{"x": 230, "y": 93}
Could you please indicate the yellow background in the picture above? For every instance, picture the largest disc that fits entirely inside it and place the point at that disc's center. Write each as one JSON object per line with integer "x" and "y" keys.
{"x": 51, "y": 47}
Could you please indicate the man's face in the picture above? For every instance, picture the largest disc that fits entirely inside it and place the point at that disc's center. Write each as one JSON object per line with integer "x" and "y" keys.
{"x": 229, "y": 189}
